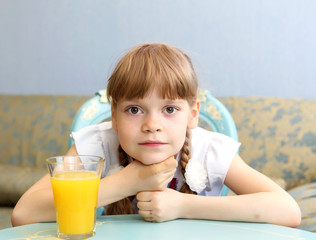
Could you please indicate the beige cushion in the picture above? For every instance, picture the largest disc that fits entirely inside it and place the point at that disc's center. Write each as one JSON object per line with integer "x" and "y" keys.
{"x": 15, "y": 180}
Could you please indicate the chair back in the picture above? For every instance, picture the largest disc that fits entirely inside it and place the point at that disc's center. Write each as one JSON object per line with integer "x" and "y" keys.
{"x": 213, "y": 116}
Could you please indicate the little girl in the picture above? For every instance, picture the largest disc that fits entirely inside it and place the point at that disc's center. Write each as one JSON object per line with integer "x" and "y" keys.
{"x": 153, "y": 140}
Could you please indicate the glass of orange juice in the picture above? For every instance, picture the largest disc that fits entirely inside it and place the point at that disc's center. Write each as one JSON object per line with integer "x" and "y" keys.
{"x": 75, "y": 183}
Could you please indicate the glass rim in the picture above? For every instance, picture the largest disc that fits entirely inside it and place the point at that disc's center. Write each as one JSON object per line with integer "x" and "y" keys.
{"x": 51, "y": 161}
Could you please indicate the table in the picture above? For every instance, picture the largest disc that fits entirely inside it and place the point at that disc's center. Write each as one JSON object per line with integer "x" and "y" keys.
{"x": 133, "y": 227}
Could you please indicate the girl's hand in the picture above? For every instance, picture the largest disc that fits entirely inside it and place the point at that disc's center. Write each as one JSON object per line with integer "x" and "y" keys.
{"x": 160, "y": 206}
{"x": 142, "y": 177}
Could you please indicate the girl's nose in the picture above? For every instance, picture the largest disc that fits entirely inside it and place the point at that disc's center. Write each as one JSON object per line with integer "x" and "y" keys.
{"x": 151, "y": 124}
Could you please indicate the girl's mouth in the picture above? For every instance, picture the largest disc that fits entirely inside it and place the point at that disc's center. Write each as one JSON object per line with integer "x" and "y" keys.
{"x": 152, "y": 143}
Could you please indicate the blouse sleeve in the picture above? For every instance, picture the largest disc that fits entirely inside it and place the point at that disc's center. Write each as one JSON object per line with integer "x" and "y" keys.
{"x": 99, "y": 140}
{"x": 215, "y": 152}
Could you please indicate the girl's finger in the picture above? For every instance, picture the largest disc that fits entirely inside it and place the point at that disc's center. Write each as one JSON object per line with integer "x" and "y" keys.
{"x": 144, "y": 206}
{"x": 150, "y": 219}
{"x": 144, "y": 196}
{"x": 146, "y": 214}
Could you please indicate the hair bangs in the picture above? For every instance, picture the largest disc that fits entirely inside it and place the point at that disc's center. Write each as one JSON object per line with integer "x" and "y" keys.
{"x": 153, "y": 66}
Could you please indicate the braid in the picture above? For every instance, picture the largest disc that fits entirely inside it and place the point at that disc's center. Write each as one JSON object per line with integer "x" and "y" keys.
{"x": 123, "y": 158}
{"x": 123, "y": 206}
{"x": 184, "y": 159}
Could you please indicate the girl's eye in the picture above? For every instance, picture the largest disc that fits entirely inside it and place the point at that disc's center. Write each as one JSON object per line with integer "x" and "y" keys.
{"x": 170, "y": 110}
{"x": 133, "y": 110}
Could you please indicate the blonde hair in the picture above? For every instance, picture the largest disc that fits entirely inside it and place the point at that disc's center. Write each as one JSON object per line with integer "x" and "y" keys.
{"x": 146, "y": 67}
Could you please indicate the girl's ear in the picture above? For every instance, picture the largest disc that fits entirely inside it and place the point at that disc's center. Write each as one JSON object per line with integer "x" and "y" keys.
{"x": 113, "y": 117}
{"x": 194, "y": 115}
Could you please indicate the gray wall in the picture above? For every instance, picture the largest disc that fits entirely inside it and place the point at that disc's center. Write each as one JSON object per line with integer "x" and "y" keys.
{"x": 239, "y": 47}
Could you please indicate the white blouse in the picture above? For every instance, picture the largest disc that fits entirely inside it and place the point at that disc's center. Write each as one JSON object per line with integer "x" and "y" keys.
{"x": 213, "y": 152}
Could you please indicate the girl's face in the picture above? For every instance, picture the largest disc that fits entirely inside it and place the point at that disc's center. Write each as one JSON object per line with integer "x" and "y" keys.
{"x": 152, "y": 129}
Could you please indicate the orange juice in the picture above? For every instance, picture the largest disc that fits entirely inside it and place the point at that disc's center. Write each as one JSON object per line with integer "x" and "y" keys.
{"x": 75, "y": 198}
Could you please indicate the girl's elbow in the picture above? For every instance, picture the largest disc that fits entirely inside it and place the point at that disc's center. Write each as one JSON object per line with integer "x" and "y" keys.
{"x": 19, "y": 216}
{"x": 294, "y": 216}
{"x": 16, "y": 218}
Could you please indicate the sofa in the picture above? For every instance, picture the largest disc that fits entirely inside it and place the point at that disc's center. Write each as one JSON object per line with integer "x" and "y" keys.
{"x": 278, "y": 138}
{"x": 32, "y": 129}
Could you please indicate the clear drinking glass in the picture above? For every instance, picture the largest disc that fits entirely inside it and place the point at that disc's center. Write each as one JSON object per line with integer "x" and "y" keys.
{"x": 75, "y": 182}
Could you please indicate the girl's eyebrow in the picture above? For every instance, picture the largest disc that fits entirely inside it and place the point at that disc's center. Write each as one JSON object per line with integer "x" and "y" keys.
{"x": 175, "y": 101}
{"x": 130, "y": 101}
{"x": 141, "y": 101}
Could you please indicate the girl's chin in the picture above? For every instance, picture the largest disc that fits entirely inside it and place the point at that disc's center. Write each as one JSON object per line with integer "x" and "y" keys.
{"x": 149, "y": 161}
{"x": 152, "y": 158}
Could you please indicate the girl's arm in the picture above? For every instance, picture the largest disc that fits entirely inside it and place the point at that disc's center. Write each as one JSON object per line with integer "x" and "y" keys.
{"x": 136, "y": 177}
{"x": 37, "y": 203}
{"x": 258, "y": 199}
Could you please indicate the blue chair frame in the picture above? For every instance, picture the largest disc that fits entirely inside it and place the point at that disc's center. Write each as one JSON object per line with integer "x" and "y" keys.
{"x": 212, "y": 112}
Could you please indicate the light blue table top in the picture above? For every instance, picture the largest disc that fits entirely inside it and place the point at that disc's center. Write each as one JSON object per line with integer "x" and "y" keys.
{"x": 133, "y": 227}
